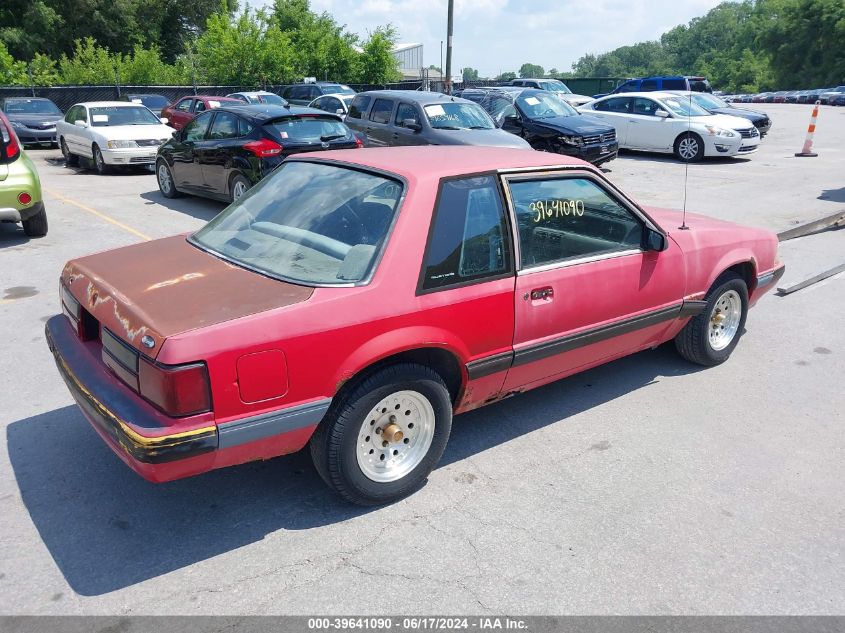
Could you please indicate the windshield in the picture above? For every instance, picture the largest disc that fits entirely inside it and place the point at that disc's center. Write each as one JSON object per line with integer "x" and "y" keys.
{"x": 457, "y": 116}
{"x": 337, "y": 89}
{"x": 682, "y": 106}
{"x": 308, "y": 223}
{"x": 122, "y": 115}
{"x": 544, "y": 106}
{"x": 310, "y": 129}
{"x": 30, "y": 106}
{"x": 271, "y": 98}
{"x": 555, "y": 86}
{"x": 708, "y": 101}
{"x": 151, "y": 101}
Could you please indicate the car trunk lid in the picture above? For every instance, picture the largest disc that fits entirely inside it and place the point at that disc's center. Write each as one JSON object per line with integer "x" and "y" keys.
{"x": 149, "y": 291}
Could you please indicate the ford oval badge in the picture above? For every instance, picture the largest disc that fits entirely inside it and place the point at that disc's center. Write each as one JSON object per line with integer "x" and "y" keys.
{"x": 148, "y": 341}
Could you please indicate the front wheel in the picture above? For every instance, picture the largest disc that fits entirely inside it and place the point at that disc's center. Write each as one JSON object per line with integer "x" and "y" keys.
{"x": 380, "y": 442}
{"x": 709, "y": 338}
{"x": 99, "y": 162}
{"x": 689, "y": 147}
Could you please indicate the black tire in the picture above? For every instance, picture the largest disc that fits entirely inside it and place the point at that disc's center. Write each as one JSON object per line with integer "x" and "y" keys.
{"x": 167, "y": 192}
{"x": 693, "y": 342}
{"x": 71, "y": 160}
{"x": 238, "y": 179}
{"x": 99, "y": 163}
{"x": 36, "y": 226}
{"x": 692, "y": 141}
{"x": 335, "y": 442}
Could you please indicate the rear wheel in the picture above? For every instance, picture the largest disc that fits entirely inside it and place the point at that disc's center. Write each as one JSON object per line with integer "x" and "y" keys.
{"x": 380, "y": 442}
{"x": 239, "y": 186}
{"x": 709, "y": 338}
{"x": 36, "y": 226}
{"x": 165, "y": 180}
{"x": 99, "y": 163}
{"x": 689, "y": 147}
{"x": 71, "y": 160}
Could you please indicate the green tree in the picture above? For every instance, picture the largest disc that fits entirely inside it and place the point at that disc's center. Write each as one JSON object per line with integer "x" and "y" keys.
{"x": 470, "y": 74}
{"x": 12, "y": 72}
{"x": 377, "y": 64}
{"x": 531, "y": 70}
{"x": 506, "y": 76}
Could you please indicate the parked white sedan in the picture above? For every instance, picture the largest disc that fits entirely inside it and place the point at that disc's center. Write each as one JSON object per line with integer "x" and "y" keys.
{"x": 663, "y": 122}
{"x": 335, "y": 103}
{"x": 111, "y": 133}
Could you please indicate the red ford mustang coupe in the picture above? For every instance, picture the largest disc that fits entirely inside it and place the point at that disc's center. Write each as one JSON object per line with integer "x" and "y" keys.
{"x": 356, "y": 303}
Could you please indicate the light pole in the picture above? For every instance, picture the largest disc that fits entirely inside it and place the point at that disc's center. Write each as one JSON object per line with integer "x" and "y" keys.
{"x": 449, "y": 47}
{"x": 441, "y": 63}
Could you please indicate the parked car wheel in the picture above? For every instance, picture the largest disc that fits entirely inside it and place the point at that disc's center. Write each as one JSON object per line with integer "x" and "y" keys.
{"x": 240, "y": 185}
{"x": 689, "y": 147}
{"x": 99, "y": 163}
{"x": 36, "y": 226}
{"x": 709, "y": 338}
{"x": 165, "y": 181}
{"x": 380, "y": 442}
{"x": 71, "y": 160}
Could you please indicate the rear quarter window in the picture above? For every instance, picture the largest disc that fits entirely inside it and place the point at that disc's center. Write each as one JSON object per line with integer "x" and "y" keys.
{"x": 674, "y": 84}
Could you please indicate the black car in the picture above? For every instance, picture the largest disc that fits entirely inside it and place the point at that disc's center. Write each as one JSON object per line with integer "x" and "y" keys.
{"x": 715, "y": 105}
{"x": 303, "y": 94}
{"x": 225, "y": 151}
{"x": 414, "y": 117}
{"x": 154, "y": 102}
{"x": 547, "y": 122}
{"x": 33, "y": 118}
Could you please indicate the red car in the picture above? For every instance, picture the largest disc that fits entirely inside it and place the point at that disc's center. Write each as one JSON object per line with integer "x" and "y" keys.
{"x": 183, "y": 111}
{"x": 356, "y": 301}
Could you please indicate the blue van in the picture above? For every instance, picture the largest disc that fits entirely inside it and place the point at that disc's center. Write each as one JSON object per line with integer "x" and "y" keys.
{"x": 659, "y": 84}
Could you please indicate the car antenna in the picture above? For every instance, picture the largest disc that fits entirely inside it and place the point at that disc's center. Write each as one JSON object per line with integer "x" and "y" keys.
{"x": 684, "y": 226}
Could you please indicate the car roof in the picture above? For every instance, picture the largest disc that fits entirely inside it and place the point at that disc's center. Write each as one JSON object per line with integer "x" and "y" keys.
{"x": 443, "y": 161}
{"x": 253, "y": 92}
{"x": 338, "y": 95}
{"x": 209, "y": 97}
{"x": 108, "y": 104}
{"x": 26, "y": 99}
{"x": 418, "y": 96}
{"x": 268, "y": 111}
{"x": 654, "y": 94}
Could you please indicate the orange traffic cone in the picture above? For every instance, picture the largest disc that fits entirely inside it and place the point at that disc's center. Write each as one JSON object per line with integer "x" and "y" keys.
{"x": 807, "y": 150}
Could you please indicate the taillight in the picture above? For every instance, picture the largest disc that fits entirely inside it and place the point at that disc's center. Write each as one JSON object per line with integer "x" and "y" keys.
{"x": 358, "y": 142}
{"x": 178, "y": 390}
{"x": 264, "y": 148}
{"x": 10, "y": 143}
{"x": 24, "y": 198}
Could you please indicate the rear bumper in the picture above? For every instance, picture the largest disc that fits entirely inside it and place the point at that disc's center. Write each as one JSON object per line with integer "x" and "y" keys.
{"x": 12, "y": 214}
{"x": 160, "y": 448}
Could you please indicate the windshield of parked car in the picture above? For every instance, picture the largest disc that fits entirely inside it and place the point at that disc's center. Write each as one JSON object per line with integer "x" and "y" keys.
{"x": 708, "y": 101}
{"x": 307, "y": 223}
{"x": 457, "y": 116}
{"x": 555, "y": 86}
{"x": 310, "y": 129}
{"x": 337, "y": 89}
{"x": 110, "y": 116}
{"x": 683, "y": 106}
{"x": 30, "y": 106}
{"x": 537, "y": 105}
{"x": 156, "y": 102}
{"x": 271, "y": 98}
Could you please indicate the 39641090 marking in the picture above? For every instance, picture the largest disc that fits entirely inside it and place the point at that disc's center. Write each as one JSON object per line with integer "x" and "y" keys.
{"x": 359, "y": 623}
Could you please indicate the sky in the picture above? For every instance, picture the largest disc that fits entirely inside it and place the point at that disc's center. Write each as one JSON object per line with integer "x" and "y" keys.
{"x": 495, "y": 36}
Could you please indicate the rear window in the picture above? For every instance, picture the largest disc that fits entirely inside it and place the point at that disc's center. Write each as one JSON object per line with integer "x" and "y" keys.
{"x": 271, "y": 98}
{"x": 332, "y": 89}
{"x": 309, "y": 129}
{"x": 155, "y": 102}
{"x": 700, "y": 85}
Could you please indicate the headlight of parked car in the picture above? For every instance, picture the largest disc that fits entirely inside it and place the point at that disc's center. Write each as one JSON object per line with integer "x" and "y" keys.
{"x": 718, "y": 131}
{"x": 572, "y": 140}
{"x": 121, "y": 144}
{"x": 18, "y": 125}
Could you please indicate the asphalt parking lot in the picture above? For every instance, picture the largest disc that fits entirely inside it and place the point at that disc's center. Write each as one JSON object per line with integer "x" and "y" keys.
{"x": 645, "y": 486}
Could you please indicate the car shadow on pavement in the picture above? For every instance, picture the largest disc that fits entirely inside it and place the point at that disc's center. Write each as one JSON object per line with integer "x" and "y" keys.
{"x": 11, "y": 234}
{"x": 201, "y": 208}
{"x": 834, "y": 195}
{"x": 106, "y": 528}
{"x": 669, "y": 158}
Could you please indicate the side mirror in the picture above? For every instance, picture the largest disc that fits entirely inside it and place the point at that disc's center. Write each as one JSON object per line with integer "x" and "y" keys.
{"x": 339, "y": 111}
{"x": 655, "y": 240}
{"x": 164, "y": 120}
{"x": 80, "y": 123}
{"x": 412, "y": 124}
{"x": 661, "y": 113}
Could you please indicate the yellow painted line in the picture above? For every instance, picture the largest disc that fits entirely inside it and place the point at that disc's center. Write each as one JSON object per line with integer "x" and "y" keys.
{"x": 5, "y": 301}
{"x": 100, "y": 215}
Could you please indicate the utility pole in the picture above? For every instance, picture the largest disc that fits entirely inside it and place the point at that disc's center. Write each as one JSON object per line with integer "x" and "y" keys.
{"x": 449, "y": 30}
{"x": 442, "y": 85}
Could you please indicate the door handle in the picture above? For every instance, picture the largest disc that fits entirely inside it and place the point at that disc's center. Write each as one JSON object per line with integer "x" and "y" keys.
{"x": 541, "y": 293}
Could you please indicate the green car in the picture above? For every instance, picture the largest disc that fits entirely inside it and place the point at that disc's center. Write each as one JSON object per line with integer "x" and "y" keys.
{"x": 20, "y": 187}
